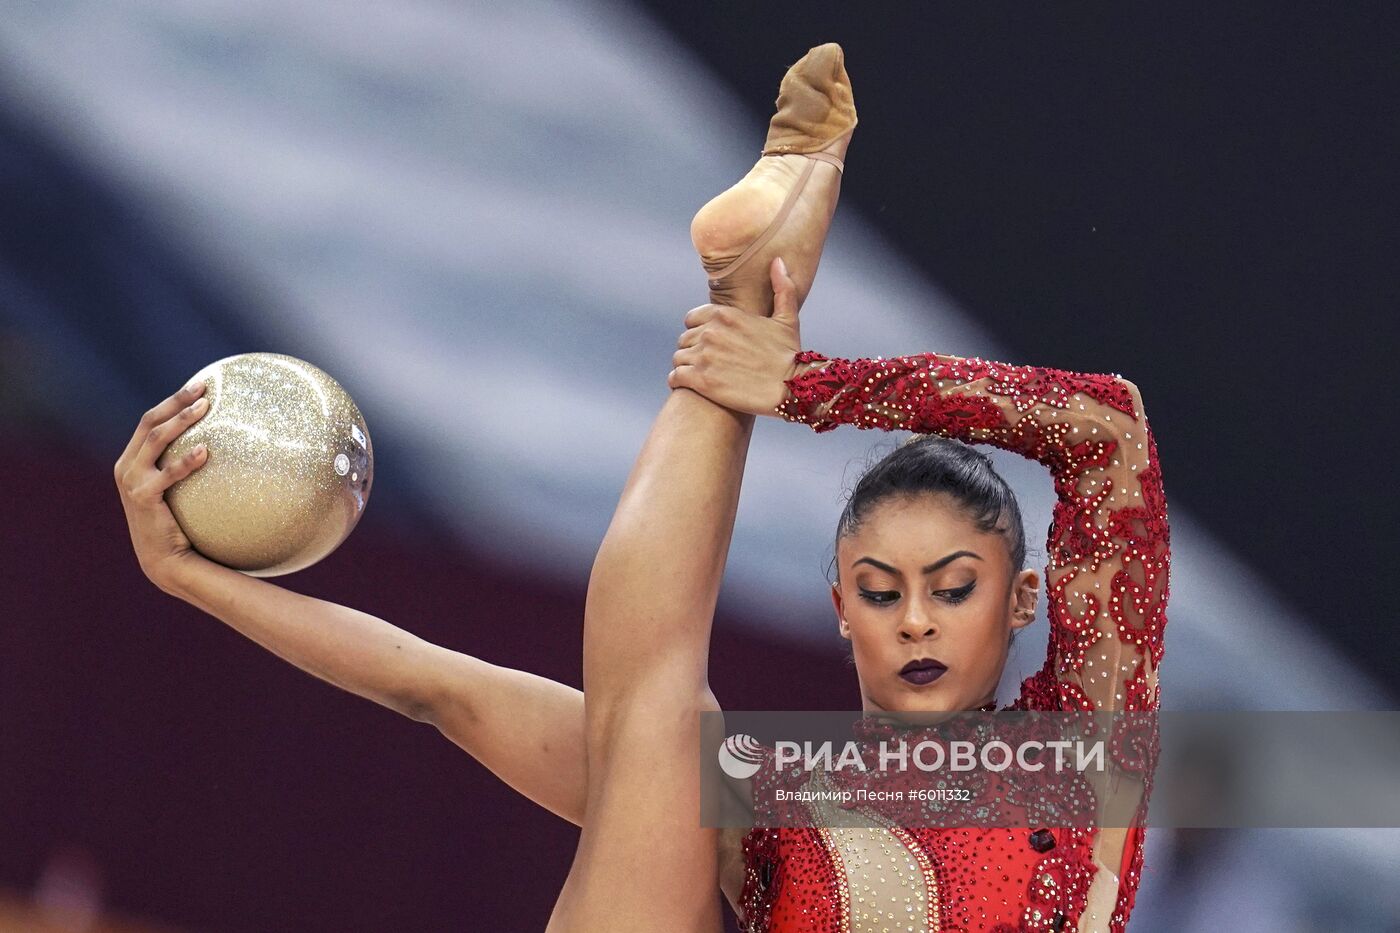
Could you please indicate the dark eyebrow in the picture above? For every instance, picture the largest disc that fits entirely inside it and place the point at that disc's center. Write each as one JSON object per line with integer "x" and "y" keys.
{"x": 941, "y": 562}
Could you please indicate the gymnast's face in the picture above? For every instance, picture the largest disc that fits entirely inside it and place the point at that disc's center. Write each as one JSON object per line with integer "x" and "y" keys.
{"x": 928, "y": 602}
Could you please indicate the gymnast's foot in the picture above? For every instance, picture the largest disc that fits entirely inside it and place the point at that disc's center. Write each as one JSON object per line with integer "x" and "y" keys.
{"x": 783, "y": 206}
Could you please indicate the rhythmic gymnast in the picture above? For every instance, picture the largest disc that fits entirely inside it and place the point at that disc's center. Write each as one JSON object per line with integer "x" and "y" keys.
{"x": 930, "y": 586}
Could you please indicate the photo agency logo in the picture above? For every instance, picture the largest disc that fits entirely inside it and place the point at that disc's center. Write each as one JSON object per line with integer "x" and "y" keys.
{"x": 740, "y": 756}
{"x": 968, "y": 769}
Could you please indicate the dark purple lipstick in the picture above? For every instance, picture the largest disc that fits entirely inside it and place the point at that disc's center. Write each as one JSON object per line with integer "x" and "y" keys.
{"x": 923, "y": 671}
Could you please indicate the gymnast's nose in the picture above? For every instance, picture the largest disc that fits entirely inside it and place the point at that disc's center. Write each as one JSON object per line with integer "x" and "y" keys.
{"x": 917, "y": 623}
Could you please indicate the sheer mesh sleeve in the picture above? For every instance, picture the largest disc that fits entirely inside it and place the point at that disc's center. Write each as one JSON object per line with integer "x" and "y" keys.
{"x": 1108, "y": 547}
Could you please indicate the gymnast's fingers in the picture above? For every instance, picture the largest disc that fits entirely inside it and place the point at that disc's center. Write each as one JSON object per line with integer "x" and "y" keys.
{"x": 151, "y": 419}
{"x": 785, "y": 304}
{"x": 178, "y": 469}
{"x": 684, "y": 376}
{"x": 697, "y": 316}
{"x": 160, "y": 436}
{"x": 689, "y": 337}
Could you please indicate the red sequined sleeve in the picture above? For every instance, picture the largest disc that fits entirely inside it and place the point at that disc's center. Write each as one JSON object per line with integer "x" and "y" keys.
{"x": 1108, "y": 543}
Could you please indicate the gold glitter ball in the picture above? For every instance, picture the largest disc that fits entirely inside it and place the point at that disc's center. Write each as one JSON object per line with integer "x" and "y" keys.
{"x": 289, "y": 465}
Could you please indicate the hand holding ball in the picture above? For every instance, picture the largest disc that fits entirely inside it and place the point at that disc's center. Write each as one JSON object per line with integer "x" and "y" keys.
{"x": 288, "y": 471}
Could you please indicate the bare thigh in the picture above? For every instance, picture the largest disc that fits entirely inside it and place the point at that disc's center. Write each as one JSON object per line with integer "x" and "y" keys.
{"x": 643, "y": 861}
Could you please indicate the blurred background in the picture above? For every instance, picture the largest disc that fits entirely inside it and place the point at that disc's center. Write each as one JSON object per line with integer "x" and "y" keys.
{"x": 475, "y": 216}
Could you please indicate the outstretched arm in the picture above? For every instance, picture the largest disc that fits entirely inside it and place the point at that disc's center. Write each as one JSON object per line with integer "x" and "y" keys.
{"x": 526, "y": 729}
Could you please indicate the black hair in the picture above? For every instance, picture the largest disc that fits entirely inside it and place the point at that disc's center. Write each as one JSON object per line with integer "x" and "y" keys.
{"x": 929, "y": 463}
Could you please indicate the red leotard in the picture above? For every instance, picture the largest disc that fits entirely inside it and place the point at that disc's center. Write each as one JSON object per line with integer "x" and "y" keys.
{"x": 1107, "y": 582}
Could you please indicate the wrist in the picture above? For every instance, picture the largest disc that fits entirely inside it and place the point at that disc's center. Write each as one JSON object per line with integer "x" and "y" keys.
{"x": 781, "y": 395}
{"x": 788, "y": 405}
{"x": 802, "y": 396}
{"x": 176, "y": 575}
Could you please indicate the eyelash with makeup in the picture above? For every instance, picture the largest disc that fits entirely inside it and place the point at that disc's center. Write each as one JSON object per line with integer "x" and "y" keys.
{"x": 953, "y": 596}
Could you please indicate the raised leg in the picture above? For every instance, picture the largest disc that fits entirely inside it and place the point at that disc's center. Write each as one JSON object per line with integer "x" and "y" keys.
{"x": 786, "y": 201}
{"x": 643, "y": 861}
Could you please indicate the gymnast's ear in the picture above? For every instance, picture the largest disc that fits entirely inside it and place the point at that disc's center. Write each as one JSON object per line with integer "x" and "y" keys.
{"x": 1025, "y": 592}
{"x": 842, "y": 625}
